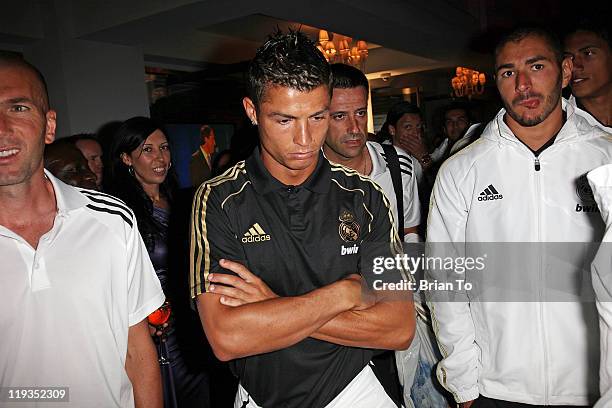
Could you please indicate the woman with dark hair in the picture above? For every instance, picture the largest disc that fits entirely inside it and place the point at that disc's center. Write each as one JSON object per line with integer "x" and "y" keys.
{"x": 141, "y": 175}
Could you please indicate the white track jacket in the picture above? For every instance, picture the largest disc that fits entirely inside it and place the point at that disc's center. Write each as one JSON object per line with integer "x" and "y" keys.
{"x": 540, "y": 353}
{"x": 600, "y": 180}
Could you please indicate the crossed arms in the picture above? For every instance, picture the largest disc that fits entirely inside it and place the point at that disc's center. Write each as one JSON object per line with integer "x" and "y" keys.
{"x": 244, "y": 317}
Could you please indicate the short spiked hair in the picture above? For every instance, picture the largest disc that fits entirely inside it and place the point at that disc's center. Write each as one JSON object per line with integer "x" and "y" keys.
{"x": 288, "y": 60}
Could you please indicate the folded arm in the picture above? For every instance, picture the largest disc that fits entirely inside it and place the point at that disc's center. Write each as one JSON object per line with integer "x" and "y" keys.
{"x": 389, "y": 324}
{"x": 249, "y": 319}
{"x": 377, "y": 322}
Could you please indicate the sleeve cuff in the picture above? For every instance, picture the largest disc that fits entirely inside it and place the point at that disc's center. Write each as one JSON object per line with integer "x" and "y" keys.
{"x": 148, "y": 308}
{"x": 466, "y": 396}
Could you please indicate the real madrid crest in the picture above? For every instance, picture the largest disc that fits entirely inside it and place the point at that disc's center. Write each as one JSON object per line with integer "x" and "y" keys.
{"x": 348, "y": 229}
{"x": 583, "y": 190}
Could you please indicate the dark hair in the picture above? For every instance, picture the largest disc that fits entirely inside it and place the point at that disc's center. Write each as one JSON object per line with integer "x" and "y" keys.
{"x": 593, "y": 24}
{"x": 129, "y": 136}
{"x": 383, "y": 133}
{"x": 400, "y": 109}
{"x": 456, "y": 106}
{"x": 345, "y": 76}
{"x": 85, "y": 136}
{"x": 53, "y": 150}
{"x": 289, "y": 60}
{"x": 521, "y": 33}
{"x": 9, "y": 59}
{"x": 105, "y": 135}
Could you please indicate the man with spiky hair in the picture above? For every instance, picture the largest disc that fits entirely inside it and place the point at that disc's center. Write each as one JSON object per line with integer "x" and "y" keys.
{"x": 276, "y": 247}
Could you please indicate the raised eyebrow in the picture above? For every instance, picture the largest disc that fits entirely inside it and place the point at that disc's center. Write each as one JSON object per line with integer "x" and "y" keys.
{"x": 587, "y": 47}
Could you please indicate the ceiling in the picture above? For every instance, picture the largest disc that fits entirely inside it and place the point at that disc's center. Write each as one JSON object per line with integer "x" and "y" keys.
{"x": 405, "y": 36}
{"x": 413, "y": 35}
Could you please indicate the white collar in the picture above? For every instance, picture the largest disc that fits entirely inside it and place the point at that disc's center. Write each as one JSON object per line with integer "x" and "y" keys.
{"x": 67, "y": 198}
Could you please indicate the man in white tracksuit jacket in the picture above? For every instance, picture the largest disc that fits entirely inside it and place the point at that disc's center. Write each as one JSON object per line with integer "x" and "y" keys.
{"x": 525, "y": 169}
{"x": 600, "y": 180}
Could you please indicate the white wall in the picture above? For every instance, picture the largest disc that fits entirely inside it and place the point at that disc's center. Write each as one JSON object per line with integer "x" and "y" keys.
{"x": 90, "y": 83}
{"x": 103, "y": 82}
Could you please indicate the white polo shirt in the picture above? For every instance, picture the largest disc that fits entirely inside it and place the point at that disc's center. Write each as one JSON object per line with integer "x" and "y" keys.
{"x": 66, "y": 307}
{"x": 382, "y": 176}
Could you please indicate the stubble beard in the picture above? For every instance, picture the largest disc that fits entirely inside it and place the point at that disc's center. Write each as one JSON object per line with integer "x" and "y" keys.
{"x": 550, "y": 103}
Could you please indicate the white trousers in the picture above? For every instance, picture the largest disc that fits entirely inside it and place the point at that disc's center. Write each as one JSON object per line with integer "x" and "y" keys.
{"x": 365, "y": 391}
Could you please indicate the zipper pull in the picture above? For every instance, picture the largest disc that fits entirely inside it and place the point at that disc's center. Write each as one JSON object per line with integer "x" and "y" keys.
{"x": 537, "y": 164}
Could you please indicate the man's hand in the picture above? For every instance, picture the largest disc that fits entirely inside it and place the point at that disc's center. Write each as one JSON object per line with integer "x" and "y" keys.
{"x": 239, "y": 290}
{"x": 266, "y": 322}
{"x": 416, "y": 147}
{"x": 247, "y": 288}
{"x": 362, "y": 296}
{"x": 466, "y": 404}
{"x": 156, "y": 330}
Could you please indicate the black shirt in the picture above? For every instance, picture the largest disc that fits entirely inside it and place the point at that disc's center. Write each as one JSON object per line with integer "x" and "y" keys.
{"x": 296, "y": 239}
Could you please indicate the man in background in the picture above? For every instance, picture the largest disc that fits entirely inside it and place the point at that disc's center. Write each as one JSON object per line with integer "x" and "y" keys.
{"x": 92, "y": 150}
{"x": 67, "y": 163}
{"x": 346, "y": 143}
{"x": 588, "y": 45}
{"x": 201, "y": 160}
{"x": 456, "y": 121}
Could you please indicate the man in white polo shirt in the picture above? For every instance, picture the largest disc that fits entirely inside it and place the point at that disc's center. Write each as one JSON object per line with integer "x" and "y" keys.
{"x": 77, "y": 281}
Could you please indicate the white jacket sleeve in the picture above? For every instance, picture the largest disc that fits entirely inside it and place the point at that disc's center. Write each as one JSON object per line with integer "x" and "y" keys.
{"x": 600, "y": 180}
{"x": 452, "y": 321}
{"x": 412, "y": 204}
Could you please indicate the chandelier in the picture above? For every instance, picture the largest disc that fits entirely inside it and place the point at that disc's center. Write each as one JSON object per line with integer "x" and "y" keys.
{"x": 468, "y": 82}
{"x": 338, "y": 48}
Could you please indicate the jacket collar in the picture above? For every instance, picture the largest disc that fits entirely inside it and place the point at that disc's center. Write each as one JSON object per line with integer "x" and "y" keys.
{"x": 499, "y": 131}
{"x": 587, "y": 116}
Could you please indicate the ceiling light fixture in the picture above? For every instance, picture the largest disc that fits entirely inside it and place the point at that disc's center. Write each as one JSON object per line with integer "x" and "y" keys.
{"x": 338, "y": 48}
{"x": 468, "y": 82}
